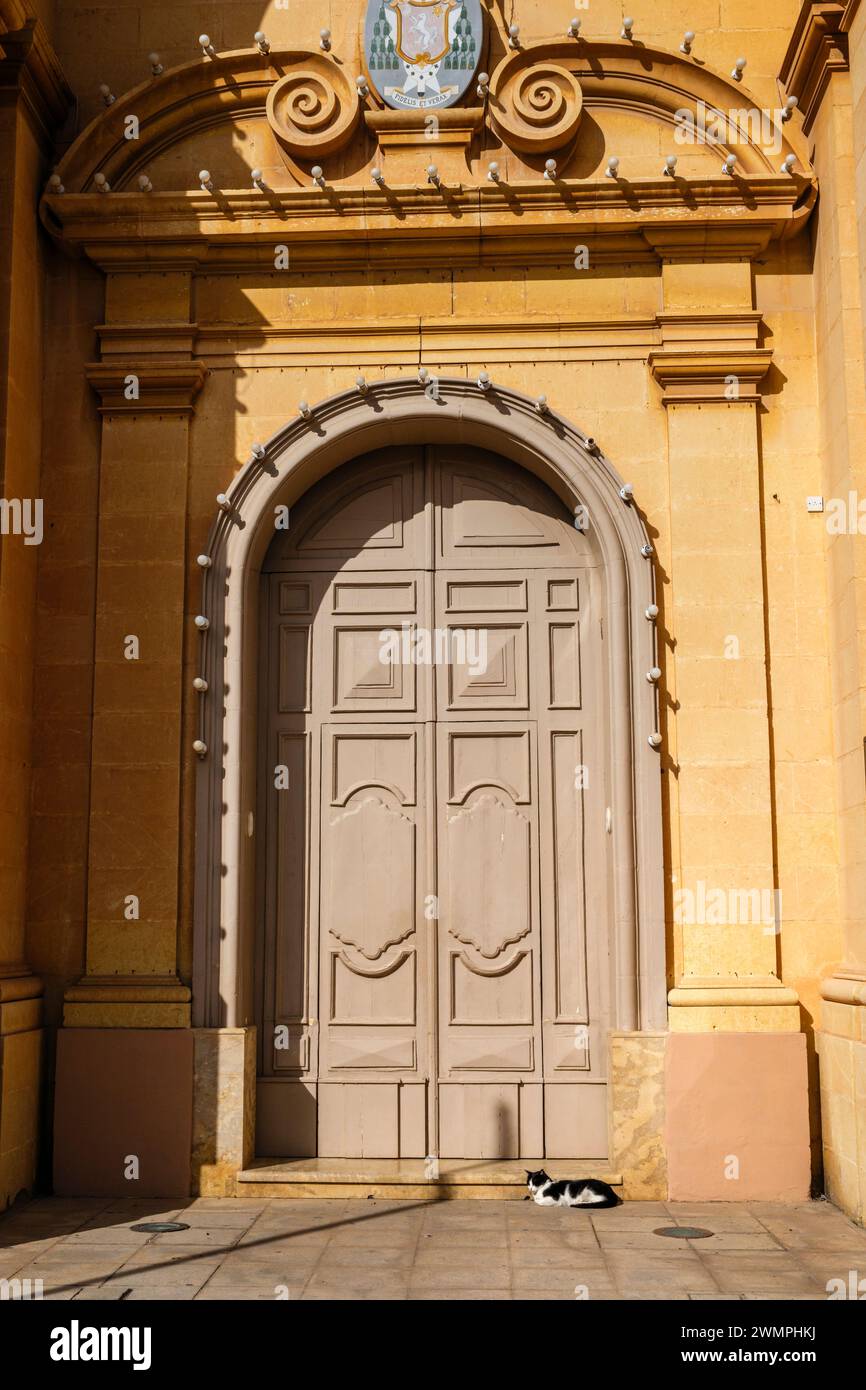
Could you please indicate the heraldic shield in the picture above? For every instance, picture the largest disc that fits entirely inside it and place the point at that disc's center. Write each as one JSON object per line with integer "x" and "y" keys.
{"x": 422, "y": 54}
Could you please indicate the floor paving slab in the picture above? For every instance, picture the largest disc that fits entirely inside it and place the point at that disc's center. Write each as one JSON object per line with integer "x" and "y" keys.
{"x": 369, "y": 1250}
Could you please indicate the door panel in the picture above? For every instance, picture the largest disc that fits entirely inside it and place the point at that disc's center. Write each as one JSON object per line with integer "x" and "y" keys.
{"x": 433, "y": 965}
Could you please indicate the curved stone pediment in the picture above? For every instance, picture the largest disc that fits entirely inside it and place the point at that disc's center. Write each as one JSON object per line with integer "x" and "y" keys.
{"x": 285, "y": 113}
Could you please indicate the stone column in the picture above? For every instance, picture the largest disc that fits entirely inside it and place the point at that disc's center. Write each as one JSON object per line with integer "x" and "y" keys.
{"x": 34, "y": 100}
{"x": 730, "y": 1014}
{"x": 825, "y": 67}
{"x": 147, "y": 382}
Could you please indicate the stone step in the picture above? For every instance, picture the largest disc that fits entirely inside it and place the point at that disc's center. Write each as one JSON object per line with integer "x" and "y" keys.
{"x": 390, "y": 1178}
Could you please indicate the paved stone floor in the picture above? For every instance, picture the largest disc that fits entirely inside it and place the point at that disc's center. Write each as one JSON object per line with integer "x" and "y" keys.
{"x": 86, "y": 1249}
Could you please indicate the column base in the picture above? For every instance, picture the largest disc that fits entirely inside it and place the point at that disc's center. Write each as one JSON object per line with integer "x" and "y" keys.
{"x": 123, "y": 1112}
{"x": 127, "y": 1001}
{"x": 842, "y": 1062}
{"x": 737, "y": 1124}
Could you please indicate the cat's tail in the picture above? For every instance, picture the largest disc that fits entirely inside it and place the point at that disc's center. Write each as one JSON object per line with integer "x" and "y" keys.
{"x": 604, "y": 1195}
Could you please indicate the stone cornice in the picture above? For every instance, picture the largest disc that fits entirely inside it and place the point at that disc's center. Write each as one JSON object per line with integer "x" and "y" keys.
{"x": 164, "y": 388}
{"x": 818, "y": 48}
{"x": 533, "y": 223}
{"x": 465, "y": 219}
{"x": 695, "y": 376}
{"x": 30, "y": 72}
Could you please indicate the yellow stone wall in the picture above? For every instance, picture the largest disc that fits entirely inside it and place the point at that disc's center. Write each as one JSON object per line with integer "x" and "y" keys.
{"x": 23, "y": 357}
{"x": 762, "y": 768}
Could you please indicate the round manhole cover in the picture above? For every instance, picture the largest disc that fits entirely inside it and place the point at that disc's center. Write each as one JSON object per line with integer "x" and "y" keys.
{"x": 154, "y": 1228}
{"x": 683, "y": 1232}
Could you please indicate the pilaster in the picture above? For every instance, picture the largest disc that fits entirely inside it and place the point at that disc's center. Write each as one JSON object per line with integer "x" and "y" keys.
{"x": 723, "y": 903}
{"x": 147, "y": 383}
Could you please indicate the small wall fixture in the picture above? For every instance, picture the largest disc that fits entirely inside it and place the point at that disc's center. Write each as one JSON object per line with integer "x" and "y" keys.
{"x": 737, "y": 69}
{"x": 202, "y": 623}
{"x": 377, "y": 176}
{"x": 55, "y": 184}
{"x": 647, "y": 550}
{"x": 317, "y": 175}
{"x": 261, "y": 41}
{"x": 573, "y": 29}
{"x": 789, "y": 108}
{"x": 325, "y": 40}
{"x": 541, "y": 406}
{"x": 787, "y": 165}
{"x": 200, "y": 684}
{"x": 688, "y": 40}
{"x": 361, "y": 84}
{"x": 223, "y": 501}
{"x": 670, "y": 166}
{"x": 550, "y": 168}
{"x": 361, "y": 384}
{"x": 433, "y": 175}
{"x": 156, "y": 67}
{"x": 514, "y": 36}
{"x": 304, "y": 409}
{"x": 483, "y": 87}
{"x": 199, "y": 748}
{"x": 205, "y": 181}
{"x": 107, "y": 94}
{"x": 483, "y": 381}
{"x": 102, "y": 184}
{"x": 729, "y": 165}
{"x": 612, "y": 170}
{"x": 626, "y": 492}
{"x": 653, "y": 675}
{"x": 651, "y": 613}
{"x": 493, "y": 171}
{"x": 258, "y": 179}
{"x": 207, "y": 47}
{"x": 145, "y": 184}
{"x": 655, "y": 740}
{"x": 423, "y": 375}
{"x": 203, "y": 561}
{"x": 258, "y": 451}
{"x": 627, "y": 30}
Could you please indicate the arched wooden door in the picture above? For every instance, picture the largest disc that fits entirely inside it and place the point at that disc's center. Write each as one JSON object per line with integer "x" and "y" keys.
{"x": 433, "y": 963}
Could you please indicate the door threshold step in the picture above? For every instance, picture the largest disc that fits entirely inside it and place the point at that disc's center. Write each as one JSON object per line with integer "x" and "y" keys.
{"x": 414, "y": 1179}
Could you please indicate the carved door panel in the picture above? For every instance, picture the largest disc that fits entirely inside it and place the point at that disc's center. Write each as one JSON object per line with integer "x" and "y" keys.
{"x": 436, "y": 900}
{"x": 343, "y": 971}
{"x": 522, "y": 795}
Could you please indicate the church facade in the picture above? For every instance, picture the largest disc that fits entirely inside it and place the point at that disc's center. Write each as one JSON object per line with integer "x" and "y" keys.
{"x": 432, "y": 598}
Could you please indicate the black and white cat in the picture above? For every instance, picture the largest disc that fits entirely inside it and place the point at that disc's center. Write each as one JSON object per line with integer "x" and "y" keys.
{"x": 582, "y": 1192}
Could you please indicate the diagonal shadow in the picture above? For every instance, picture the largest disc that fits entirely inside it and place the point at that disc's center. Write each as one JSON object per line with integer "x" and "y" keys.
{"x": 98, "y": 1280}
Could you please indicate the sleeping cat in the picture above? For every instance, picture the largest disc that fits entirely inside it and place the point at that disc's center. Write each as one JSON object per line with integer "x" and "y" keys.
{"x": 583, "y": 1192}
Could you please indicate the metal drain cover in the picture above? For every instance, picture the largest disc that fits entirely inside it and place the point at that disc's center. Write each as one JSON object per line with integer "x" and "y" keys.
{"x": 683, "y": 1232}
{"x": 154, "y": 1228}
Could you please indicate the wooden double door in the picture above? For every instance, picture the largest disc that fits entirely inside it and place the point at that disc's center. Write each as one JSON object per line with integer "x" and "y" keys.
{"x": 433, "y": 957}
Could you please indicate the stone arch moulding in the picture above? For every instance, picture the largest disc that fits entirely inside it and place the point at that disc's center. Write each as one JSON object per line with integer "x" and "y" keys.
{"x": 346, "y": 426}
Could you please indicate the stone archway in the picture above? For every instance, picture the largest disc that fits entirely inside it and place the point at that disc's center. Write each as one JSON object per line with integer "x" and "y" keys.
{"x": 338, "y": 429}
